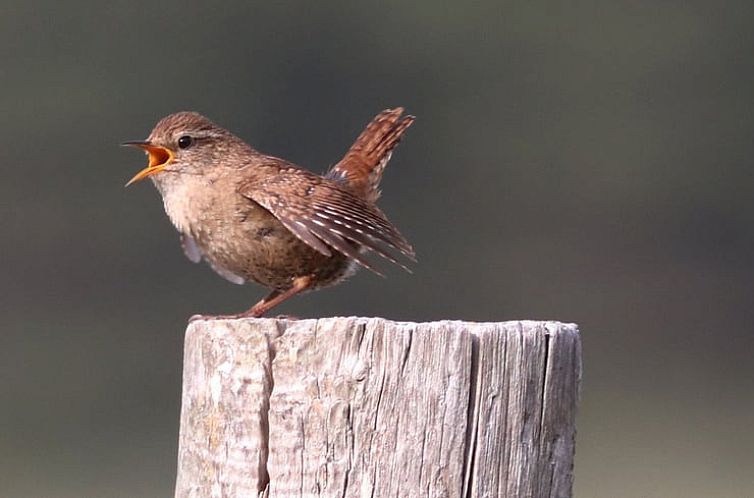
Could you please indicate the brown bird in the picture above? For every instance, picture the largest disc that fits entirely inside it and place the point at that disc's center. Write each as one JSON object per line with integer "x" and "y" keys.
{"x": 259, "y": 218}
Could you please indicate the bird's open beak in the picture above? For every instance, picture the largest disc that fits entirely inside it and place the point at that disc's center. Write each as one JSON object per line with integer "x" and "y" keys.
{"x": 159, "y": 158}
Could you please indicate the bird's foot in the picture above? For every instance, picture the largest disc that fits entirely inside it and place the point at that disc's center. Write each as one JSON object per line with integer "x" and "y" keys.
{"x": 196, "y": 318}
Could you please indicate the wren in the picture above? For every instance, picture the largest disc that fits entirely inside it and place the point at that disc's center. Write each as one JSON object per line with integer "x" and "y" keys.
{"x": 254, "y": 217}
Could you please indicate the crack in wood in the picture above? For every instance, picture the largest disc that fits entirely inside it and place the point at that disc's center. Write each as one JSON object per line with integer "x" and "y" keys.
{"x": 469, "y": 454}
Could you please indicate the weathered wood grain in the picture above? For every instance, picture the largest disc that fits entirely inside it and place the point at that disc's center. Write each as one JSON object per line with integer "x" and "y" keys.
{"x": 354, "y": 407}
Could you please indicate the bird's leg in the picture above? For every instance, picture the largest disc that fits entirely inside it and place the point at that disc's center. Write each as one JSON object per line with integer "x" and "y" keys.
{"x": 276, "y": 297}
{"x": 259, "y": 307}
{"x": 270, "y": 301}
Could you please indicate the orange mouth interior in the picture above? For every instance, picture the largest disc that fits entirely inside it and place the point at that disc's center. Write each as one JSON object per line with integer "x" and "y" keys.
{"x": 159, "y": 158}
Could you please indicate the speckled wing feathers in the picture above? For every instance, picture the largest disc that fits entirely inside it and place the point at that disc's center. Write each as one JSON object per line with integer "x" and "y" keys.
{"x": 326, "y": 216}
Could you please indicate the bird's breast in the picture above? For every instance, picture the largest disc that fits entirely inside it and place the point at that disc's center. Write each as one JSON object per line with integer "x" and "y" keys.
{"x": 180, "y": 206}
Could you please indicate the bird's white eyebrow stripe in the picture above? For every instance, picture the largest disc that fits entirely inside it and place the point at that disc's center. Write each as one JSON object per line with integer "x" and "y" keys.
{"x": 196, "y": 134}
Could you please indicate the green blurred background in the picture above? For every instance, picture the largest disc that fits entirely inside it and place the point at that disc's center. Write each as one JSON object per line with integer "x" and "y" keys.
{"x": 585, "y": 162}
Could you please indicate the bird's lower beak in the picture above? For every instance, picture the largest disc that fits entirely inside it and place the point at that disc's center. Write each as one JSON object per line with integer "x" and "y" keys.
{"x": 159, "y": 158}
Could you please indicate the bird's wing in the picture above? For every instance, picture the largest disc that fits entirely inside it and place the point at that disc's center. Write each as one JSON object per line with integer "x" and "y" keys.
{"x": 190, "y": 249}
{"x": 194, "y": 254}
{"x": 326, "y": 216}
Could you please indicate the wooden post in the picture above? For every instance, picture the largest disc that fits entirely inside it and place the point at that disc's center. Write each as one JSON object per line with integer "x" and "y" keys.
{"x": 357, "y": 407}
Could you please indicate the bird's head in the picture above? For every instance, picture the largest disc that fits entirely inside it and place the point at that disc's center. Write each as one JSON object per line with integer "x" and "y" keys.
{"x": 184, "y": 142}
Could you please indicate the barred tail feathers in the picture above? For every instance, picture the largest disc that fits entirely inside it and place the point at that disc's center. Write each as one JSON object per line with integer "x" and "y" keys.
{"x": 362, "y": 166}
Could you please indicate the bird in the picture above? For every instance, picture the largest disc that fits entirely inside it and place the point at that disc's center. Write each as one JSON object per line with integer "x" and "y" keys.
{"x": 258, "y": 218}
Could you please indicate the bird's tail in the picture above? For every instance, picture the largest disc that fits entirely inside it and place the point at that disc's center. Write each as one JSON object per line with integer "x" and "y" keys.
{"x": 362, "y": 166}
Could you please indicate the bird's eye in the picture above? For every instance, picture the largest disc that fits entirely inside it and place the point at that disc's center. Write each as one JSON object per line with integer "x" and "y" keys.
{"x": 185, "y": 142}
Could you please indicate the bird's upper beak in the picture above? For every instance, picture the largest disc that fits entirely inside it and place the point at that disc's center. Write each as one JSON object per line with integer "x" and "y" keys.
{"x": 159, "y": 158}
